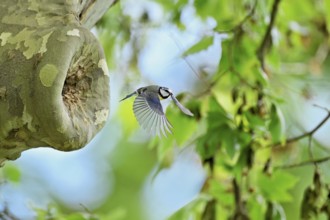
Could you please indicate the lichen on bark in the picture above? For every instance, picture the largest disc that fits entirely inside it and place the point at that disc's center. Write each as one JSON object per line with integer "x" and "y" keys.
{"x": 54, "y": 89}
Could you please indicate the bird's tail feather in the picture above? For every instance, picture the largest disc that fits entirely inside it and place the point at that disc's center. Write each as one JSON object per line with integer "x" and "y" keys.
{"x": 181, "y": 107}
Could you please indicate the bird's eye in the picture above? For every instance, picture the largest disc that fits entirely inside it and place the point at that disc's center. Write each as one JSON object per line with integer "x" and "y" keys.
{"x": 164, "y": 92}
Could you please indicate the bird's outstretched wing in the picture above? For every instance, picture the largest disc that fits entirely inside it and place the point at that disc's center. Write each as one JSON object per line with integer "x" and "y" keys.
{"x": 181, "y": 107}
{"x": 150, "y": 115}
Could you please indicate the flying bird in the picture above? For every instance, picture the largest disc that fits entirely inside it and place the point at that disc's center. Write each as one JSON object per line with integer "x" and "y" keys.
{"x": 149, "y": 111}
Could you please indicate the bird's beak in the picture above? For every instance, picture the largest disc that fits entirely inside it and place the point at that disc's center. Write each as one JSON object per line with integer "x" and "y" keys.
{"x": 128, "y": 96}
{"x": 181, "y": 107}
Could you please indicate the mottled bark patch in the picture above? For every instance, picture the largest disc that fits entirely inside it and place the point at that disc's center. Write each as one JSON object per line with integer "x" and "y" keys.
{"x": 48, "y": 74}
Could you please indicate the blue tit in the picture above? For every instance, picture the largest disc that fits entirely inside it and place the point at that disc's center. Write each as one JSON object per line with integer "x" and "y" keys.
{"x": 149, "y": 111}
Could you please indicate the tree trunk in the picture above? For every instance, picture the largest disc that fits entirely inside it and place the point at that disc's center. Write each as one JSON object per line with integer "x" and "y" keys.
{"x": 54, "y": 83}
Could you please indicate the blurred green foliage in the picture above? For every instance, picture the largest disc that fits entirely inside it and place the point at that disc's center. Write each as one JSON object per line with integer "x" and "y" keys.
{"x": 240, "y": 126}
{"x": 11, "y": 173}
{"x": 240, "y": 130}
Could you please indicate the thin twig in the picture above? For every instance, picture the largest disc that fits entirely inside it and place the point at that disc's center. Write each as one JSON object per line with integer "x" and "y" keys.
{"x": 242, "y": 22}
{"x": 265, "y": 43}
{"x": 242, "y": 79}
{"x": 306, "y": 134}
{"x": 185, "y": 59}
{"x": 310, "y": 152}
{"x": 235, "y": 29}
{"x": 6, "y": 214}
{"x": 304, "y": 163}
{"x": 249, "y": 15}
{"x": 211, "y": 85}
{"x": 231, "y": 68}
{"x": 240, "y": 210}
{"x": 321, "y": 146}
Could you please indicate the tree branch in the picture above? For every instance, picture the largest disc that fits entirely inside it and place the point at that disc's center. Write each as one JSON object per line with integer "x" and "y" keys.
{"x": 240, "y": 210}
{"x": 241, "y": 23}
{"x": 306, "y": 134}
{"x": 6, "y": 214}
{"x": 247, "y": 17}
{"x": 54, "y": 82}
{"x": 234, "y": 29}
{"x": 266, "y": 41}
{"x": 304, "y": 163}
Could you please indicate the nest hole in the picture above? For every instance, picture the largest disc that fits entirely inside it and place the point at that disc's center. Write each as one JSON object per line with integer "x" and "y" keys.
{"x": 76, "y": 85}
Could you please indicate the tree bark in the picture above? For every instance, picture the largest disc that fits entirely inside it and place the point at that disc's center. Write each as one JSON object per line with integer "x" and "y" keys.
{"x": 54, "y": 82}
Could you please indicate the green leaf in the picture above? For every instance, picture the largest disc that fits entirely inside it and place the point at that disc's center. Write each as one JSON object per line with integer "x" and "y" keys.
{"x": 276, "y": 124}
{"x": 256, "y": 207}
{"x": 12, "y": 173}
{"x": 171, "y": 4}
{"x": 219, "y": 132}
{"x": 183, "y": 126}
{"x": 244, "y": 138}
{"x": 221, "y": 192}
{"x": 165, "y": 161}
{"x": 75, "y": 216}
{"x": 216, "y": 120}
{"x": 51, "y": 212}
{"x": 174, "y": 9}
{"x": 275, "y": 187}
{"x": 221, "y": 11}
{"x": 203, "y": 44}
{"x": 229, "y": 142}
{"x": 255, "y": 120}
{"x": 193, "y": 208}
{"x": 214, "y": 105}
{"x": 118, "y": 213}
{"x": 327, "y": 14}
{"x": 208, "y": 145}
{"x": 200, "y": 6}
{"x": 126, "y": 115}
{"x": 217, "y": 116}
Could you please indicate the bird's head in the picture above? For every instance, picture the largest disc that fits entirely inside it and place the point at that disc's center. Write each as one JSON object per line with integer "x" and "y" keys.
{"x": 164, "y": 92}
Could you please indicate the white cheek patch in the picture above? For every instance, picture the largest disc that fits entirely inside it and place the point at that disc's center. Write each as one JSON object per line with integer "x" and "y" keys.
{"x": 164, "y": 93}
